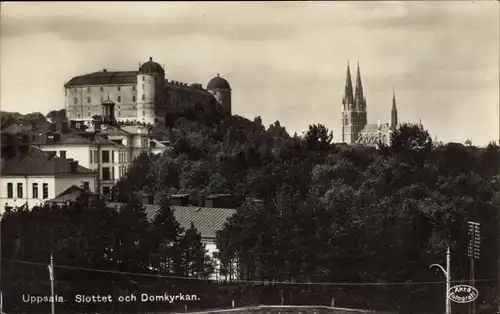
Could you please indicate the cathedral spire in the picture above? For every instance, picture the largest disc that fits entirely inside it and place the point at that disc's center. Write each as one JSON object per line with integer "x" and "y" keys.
{"x": 394, "y": 110}
{"x": 348, "y": 93}
{"x": 359, "y": 99}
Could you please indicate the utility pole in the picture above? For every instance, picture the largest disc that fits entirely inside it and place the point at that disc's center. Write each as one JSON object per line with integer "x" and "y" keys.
{"x": 51, "y": 274}
{"x": 1, "y": 296}
{"x": 447, "y": 275}
{"x": 473, "y": 253}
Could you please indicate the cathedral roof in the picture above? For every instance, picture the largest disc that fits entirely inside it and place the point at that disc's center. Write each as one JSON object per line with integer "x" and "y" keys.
{"x": 218, "y": 83}
{"x": 151, "y": 67}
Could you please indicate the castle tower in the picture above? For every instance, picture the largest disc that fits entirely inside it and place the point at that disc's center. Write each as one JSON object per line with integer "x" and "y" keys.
{"x": 394, "y": 111}
{"x": 353, "y": 115}
{"x": 221, "y": 90}
{"x": 150, "y": 92}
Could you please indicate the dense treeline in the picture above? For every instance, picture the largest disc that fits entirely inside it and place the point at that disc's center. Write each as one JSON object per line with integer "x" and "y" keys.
{"x": 89, "y": 235}
{"x": 328, "y": 213}
{"x": 338, "y": 213}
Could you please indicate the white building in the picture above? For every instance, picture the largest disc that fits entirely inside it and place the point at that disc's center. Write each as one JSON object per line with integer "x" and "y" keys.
{"x": 29, "y": 177}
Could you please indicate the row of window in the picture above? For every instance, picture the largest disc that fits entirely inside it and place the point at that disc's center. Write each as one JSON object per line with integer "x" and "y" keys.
{"x": 118, "y": 99}
{"x": 119, "y": 88}
{"x": 34, "y": 189}
{"x": 106, "y": 156}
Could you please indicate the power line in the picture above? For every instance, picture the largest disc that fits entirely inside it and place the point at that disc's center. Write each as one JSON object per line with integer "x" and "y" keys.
{"x": 251, "y": 281}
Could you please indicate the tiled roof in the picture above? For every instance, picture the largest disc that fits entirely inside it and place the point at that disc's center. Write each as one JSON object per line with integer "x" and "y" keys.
{"x": 207, "y": 220}
{"x": 36, "y": 162}
{"x": 104, "y": 78}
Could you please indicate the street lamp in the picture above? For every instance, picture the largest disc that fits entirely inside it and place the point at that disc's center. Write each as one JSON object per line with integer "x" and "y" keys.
{"x": 447, "y": 274}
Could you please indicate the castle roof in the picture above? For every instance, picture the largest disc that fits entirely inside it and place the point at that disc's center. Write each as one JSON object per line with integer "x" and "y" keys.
{"x": 151, "y": 67}
{"x": 218, "y": 83}
{"x": 104, "y": 77}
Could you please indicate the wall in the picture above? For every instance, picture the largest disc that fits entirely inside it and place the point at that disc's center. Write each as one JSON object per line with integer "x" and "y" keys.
{"x": 83, "y": 110}
{"x": 27, "y": 191}
{"x": 76, "y": 152}
{"x": 56, "y": 185}
{"x": 65, "y": 181}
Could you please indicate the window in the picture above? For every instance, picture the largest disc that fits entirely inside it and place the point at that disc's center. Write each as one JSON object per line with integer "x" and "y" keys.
{"x": 62, "y": 154}
{"x": 143, "y": 97}
{"x": 86, "y": 185}
{"x": 89, "y": 100}
{"x": 102, "y": 89}
{"x": 33, "y": 137}
{"x": 10, "y": 190}
{"x": 105, "y": 156}
{"x": 119, "y": 99}
{"x": 19, "y": 190}
{"x": 90, "y": 153}
{"x": 45, "y": 191}
{"x": 143, "y": 79}
{"x": 144, "y": 112}
{"x": 133, "y": 98}
{"x": 96, "y": 157}
{"x": 75, "y": 100}
{"x": 106, "y": 173}
{"x": 89, "y": 114}
{"x": 34, "y": 190}
{"x": 143, "y": 87}
{"x": 133, "y": 87}
{"x": 113, "y": 156}
{"x": 106, "y": 190}
{"x": 119, "y": 88}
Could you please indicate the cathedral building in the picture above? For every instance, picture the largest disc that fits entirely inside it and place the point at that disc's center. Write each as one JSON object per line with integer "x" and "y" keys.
{"x": 145, "y": 95}
{"x": 355, "y": 128}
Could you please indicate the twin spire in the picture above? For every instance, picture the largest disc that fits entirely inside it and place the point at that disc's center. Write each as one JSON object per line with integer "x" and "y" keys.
{"x": 356, "y": 98}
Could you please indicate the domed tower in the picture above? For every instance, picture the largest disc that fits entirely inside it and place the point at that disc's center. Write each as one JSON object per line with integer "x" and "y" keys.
{"x": 221, "y": 90}
{"x": 150, "y": 91}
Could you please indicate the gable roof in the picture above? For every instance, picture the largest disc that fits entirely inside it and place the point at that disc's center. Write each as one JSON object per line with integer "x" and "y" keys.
{"x": 36, "y": 162}
{"x": 104, "y": 78}
{"x": 206, "y": 220}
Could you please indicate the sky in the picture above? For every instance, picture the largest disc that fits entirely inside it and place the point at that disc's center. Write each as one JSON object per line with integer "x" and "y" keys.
{"x": 285, "y": 61}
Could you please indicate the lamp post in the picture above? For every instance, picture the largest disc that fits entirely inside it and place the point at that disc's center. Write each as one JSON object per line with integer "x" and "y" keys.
{"x": 447, "y": 274}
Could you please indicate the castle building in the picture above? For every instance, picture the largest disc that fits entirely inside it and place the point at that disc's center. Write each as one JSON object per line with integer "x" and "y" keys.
{"x": 355, "y": 128}
{"x": 144, "y": 95}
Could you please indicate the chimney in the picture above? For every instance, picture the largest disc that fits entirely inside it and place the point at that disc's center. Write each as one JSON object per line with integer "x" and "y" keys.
{"x": 104, "y": 70}
{"x": 179, "y": 200}
{"x": 51, "y": 154}
{"x": 97, "y": 126}
{"x": 64, "y": 127}
{"x": 201, "y": 200}
{"x": 52, "y": 127}
{"x": 33, "y": 125}
{"x": 146, "y": 198}
{"x": 73, "y": 166}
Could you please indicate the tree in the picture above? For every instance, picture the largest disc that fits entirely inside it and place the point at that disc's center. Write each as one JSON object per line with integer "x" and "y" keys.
{"x": 193, "y": 260}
